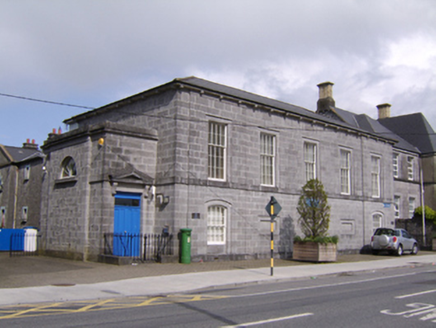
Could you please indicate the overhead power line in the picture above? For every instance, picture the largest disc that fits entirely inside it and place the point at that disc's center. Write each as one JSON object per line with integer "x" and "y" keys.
{"x": 45, "y": 101}
{"x": 127, "y": 113}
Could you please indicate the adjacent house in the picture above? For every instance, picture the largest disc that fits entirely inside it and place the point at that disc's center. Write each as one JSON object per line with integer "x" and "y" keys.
{"x": 21, "y": 174}
{"x": 417, "y": 131}
{"x": 196, "y": 154}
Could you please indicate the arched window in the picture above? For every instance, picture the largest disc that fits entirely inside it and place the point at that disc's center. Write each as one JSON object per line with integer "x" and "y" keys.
{"x": 68, "y": 168}
{"x": 216, "y": 225}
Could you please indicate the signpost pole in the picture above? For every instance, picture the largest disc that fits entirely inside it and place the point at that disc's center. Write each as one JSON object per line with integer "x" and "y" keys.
{"x": 272, "y": 247}
{"x": 273, "y": 208}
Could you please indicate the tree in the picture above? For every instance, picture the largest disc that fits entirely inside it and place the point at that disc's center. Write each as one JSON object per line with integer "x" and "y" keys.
{"x": 314, "y": 210}
{"x": 430, "y": 214}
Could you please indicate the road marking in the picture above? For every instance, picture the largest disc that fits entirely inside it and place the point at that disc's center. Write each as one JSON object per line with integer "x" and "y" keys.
{"x": 29, "y": 310}
{"x": 90, "y": 306}
{"x": 34, "y": 310}
{"x": 416, "y": 294}
{"x": 254, "y": 323}
{"x": 324, "y": 286}
{"x": 426, "y": 311}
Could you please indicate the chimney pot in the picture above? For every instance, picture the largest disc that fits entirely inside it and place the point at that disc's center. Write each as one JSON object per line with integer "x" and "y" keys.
{"x": 384, "y": 110}
{"x": 325, "y": 90}
{"x": 28, "y": 145}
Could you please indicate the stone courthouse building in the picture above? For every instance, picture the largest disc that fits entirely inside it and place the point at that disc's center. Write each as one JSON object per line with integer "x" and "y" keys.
{"x": 195, "y": 154}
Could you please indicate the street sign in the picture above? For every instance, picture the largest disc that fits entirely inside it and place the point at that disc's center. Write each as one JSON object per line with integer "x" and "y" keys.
{"x": 273, "y": 208}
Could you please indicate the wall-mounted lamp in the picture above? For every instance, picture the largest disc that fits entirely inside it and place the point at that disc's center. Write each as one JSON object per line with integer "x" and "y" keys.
{"x": 101, "y": 142}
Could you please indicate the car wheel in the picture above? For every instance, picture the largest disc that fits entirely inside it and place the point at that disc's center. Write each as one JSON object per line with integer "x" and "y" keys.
{"x": 400, "y": 250}
{"x": 414, "y": 249}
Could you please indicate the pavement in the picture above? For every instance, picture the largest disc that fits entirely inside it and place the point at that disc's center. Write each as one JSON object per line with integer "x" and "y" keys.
{"x": 25, "y": 279}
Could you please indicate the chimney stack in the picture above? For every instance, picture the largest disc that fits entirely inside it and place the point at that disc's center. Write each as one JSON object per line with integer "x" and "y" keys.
{"x": 325, "y": 100}
{"x": 384, "y": 111}
{"x": 28, "y": 145}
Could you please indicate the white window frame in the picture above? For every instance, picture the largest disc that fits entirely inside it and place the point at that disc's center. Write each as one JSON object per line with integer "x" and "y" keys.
{"x": 397, "y": 202}
{"x": 217, "y": 218}
{"x": 410, "y": 168}
{"x": 411, "y": 206}
{"x": 377, "y": 221}
{"x": 310, "y": 160}
{"x": 26, "y": 172}
{"x": 375, "y": 176}
{"x": 267, "y": 159}
{"x": 395, "y": 167}
{"x": 24, "y": 214}
{"x": 69, "y": 168}
{"x": 217, "y": 151}
{"x": 345, "y": 171}
{"x": 2, "y": 217}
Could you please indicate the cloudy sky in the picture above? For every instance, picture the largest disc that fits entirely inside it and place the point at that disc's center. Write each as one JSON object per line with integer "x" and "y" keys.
{"x": 93, "y": 52}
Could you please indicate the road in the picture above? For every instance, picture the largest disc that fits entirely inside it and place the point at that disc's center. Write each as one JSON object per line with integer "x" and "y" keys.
{"x": 391, "y": 298}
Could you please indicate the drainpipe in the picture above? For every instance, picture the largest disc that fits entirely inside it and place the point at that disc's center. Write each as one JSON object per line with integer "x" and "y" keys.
{"x": 87, "y": 196}
{"x": 362, "y": 173}
{"x": 15, "y": 198}
{"x": 422, "y": 205}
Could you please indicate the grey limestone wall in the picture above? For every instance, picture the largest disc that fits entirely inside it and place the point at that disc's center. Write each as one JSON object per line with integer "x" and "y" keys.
{"x": 65, "y": 202}
{"x": 18, "y": 193}
{"x": 7, "y": 195}
{"x": 242, "y": 192}
{"x": 80, "y": 210}
{"x": 29, "y": 194}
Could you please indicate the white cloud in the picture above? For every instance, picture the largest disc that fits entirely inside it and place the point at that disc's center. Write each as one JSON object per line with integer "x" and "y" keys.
{"x": 95, "y": 52}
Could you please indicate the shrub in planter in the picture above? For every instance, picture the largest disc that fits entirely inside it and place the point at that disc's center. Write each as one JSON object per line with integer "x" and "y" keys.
{"x": 314, "y": 211}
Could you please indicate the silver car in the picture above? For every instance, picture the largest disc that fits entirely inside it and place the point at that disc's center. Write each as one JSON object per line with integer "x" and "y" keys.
{"x": 395, "y": 241}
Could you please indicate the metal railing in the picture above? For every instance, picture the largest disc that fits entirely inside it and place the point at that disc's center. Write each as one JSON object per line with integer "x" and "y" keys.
{"x": 157, "y": 245}
{"x": 139, "y": 247}
{"x": 24, "y": 243}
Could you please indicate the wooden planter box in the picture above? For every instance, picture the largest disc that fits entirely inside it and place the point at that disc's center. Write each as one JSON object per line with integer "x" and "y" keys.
{"x": 315, "y": 252}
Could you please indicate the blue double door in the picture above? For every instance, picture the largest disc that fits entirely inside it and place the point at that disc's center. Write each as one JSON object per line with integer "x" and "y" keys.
{"x": 127, "y": 223}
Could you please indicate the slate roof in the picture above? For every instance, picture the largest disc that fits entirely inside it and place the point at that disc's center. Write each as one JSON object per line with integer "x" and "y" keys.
{"x": 245, "y": 95}
{"x": 415, "y": 129}
{"x": 224, "y": 90}
{"x": 366, "y": 123}
{"x": 19, "y": 154}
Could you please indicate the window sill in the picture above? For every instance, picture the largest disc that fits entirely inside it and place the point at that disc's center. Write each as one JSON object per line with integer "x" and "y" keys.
{"x": 66, "y": 180}
{"x": 267, "y": 188}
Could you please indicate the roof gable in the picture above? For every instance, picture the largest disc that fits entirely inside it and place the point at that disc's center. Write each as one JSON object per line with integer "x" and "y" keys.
{"x": 18, "y": 154}
{"x": 130, "y": 176}
{"x": 364, "y": 122}
{"x": 415, "y": 129}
